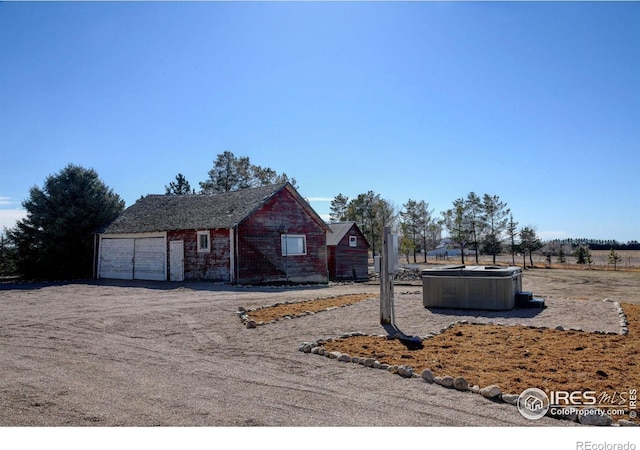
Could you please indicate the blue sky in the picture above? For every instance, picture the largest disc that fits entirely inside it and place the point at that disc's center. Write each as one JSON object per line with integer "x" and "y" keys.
{"x": 538, "y": 103}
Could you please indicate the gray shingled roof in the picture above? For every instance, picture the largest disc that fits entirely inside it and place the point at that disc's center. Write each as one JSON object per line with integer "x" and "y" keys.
{"x": 338, "y": 230}
{"x": 191, "y": 212}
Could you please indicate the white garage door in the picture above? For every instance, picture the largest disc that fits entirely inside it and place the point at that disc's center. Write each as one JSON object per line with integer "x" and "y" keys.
{"x": 133, "y": 258}
{"x": 148, "y": 259}
{"x": 116, "y": 258}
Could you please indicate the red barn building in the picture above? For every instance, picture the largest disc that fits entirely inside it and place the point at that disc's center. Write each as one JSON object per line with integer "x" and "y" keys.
{"x": 264, "y": 235}
{"x": 348, "y": 252}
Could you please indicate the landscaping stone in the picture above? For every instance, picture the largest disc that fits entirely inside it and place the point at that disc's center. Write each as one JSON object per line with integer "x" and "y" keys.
{"x": 428, "y": 376}
{"x": 627, "y": 423}
{"x": 511, "y": 399}
{"x": 460, "y": 384}
{"x": 405, "y": 371}
{"x": 369, "y": 362}
{"x": 492, "y": 391}
{"x": 445, "y": 381}
{"x": 307, "y": 348}
{"x": 594, "y": 416}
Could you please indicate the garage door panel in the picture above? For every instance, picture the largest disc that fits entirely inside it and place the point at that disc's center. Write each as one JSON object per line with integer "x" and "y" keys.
{"x": 149, "y": 262}
{"x": 116, "y": 259}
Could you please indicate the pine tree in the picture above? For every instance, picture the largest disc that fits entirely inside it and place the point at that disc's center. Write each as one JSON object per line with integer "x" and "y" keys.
{"x": 56, "y": 239}
{"x": 231, "y": 173}
{"x": 454, "y": 221}
{"x": 529, "y": 242}
{"x": 614, "y": 258}
{"x": 415, "y": 220}
{"x": 339, "y": 208}
{"x": 512, "y": 232}
{"x": 561, "y": 256}
{"x": 495, "y": 216}
{"x": 581, "y": 255}
{"x": 588, "y": 257}
{"x": 179, "y": 187}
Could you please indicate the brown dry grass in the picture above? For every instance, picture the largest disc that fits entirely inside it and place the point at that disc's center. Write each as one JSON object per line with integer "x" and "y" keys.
{"x": 280, "y": 311}
{"x": 512, "y": 357}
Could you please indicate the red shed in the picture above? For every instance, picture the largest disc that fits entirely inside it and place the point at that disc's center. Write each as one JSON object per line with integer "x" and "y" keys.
{"x": 348, "y": 252}
{"x": 263, "y": 235}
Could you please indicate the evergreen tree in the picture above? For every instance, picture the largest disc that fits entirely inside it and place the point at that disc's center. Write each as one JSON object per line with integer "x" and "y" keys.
{"x": 581, "y": 255}
{"x": 454, "y": 220}
{"x": 415, "y": 221}
{"x": 588, "y": 256}
{"x": 261, "y": 176}
{"x": 614, "y": 258}
{"x": 474, "y": 219}
{"x": 407, "y": 245}
{"x": 179, "y": 187}
{"x": 230, "y": 173}
{"x": 372, "y": 214}
{"x": 7, "y": 256}
{"x": 512, "y": 233}
{"x": 529, "y": 242}
{"x": 496, "y": 217}
{"x": 56, "y": 239}
{"x": 561, "y": 255}
{"x": 339, "y": 208}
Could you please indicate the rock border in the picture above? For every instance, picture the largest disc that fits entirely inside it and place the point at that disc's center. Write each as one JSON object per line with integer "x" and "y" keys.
{"x": 493, "y": 392}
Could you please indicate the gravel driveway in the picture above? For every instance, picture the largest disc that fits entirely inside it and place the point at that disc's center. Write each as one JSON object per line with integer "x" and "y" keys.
{"x": 145, "y": 354}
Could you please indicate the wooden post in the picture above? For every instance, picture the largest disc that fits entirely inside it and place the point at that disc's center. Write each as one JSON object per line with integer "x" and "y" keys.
{"x": 386, "y": 280}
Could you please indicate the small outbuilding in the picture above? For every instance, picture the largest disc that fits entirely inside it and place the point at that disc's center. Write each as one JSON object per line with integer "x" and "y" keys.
{"x": 264, "y": 235}
{"x": 348, "y": 252}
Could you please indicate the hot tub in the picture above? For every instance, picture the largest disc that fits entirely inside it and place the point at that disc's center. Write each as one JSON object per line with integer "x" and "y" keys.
{"x": 471, "y": 287}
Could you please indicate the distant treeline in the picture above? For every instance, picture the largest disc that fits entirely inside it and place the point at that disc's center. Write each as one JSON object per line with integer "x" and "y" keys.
{"x": 599, "y": 244}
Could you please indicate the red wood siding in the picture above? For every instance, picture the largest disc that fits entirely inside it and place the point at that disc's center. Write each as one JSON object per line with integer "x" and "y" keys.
{"x": 349, "y": 263}
{"x": 259, "y": 249}
{"x": 212, "y": 265}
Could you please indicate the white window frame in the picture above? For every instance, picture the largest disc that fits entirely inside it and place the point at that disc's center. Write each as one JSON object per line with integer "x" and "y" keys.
{"x": 353, "y": 241}
{"x": 202, "y": 249}
{"x": 284, "y": 241}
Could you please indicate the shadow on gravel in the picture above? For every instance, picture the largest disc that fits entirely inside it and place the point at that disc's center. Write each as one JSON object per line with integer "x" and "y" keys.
{"x": 525, "y": 313}
{"x": 157, "y": 285}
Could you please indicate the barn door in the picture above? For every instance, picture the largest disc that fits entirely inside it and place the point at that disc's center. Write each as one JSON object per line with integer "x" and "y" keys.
{"x": 176, "y": 260}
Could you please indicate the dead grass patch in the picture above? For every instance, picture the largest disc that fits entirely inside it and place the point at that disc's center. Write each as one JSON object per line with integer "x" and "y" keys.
{"x": 517, "y": 357}
{"x": 513, "y": 357}
{"x": 270, "y": 313}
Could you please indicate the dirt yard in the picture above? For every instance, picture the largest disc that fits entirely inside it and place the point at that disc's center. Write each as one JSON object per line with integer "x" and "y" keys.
{"x": 147, "y": 354}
